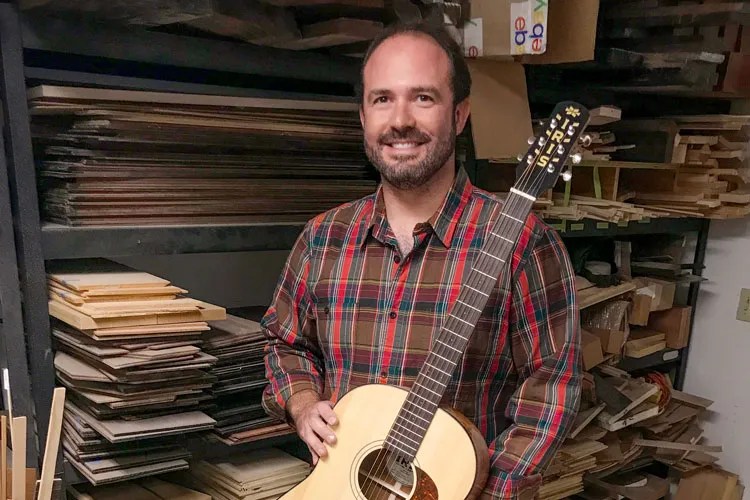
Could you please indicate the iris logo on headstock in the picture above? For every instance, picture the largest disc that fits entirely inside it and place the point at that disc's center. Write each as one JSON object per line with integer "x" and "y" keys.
{"x": 556, "y": 136}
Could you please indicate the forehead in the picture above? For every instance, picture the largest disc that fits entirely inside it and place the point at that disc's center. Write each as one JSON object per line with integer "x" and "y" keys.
{"x": 410, "y": 59}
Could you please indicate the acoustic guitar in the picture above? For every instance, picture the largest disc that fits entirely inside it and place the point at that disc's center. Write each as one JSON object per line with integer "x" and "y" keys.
{"x": 398, "y": 444}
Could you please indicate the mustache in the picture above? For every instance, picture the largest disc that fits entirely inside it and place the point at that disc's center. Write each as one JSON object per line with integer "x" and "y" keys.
{"x": 411, "y": 134}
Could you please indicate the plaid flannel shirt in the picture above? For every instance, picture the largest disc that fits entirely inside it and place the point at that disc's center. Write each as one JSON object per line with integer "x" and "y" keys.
{"x": 349, "y": 310}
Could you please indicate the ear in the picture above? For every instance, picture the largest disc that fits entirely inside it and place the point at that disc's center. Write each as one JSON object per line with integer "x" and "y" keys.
{"x": 462, "y": 114}
{"x": 361, "y": 115}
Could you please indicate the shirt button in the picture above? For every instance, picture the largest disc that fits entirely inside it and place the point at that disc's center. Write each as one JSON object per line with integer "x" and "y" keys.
{"x": 326, "y": 309}
{"x": 397, "y": 259}
{"x": 392, "y": 315}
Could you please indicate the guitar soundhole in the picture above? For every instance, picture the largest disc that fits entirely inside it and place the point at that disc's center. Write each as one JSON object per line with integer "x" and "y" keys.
{"x": 384, "y": 475}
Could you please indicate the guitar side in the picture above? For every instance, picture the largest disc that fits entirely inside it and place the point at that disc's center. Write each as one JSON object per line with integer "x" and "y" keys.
{"x": 452, "y": 462}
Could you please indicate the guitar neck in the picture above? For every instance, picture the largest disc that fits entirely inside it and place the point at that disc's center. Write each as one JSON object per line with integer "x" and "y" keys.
{"x": 451, "y": 341}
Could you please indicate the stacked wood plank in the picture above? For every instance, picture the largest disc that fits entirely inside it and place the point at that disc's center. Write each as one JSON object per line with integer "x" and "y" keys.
{"x": 238, "y": 344}
{"x": 297, "y": 25}
{"x": 678, "y": 46}
{"x": 112, "y": 157}
{"x": 259, "y": 475}
{"x": 132, "y": 363}
{"x": 145, "y": 489}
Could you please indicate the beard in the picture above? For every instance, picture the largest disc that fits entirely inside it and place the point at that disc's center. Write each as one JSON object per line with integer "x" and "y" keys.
{"x": 408, "y": 171}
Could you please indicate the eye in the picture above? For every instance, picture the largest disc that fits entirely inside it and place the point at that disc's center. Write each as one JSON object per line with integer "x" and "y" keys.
{"x": 381, "y": 99}
{"x": 424, "y": 98}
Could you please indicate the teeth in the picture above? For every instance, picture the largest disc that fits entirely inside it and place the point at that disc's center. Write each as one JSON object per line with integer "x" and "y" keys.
{"x": 404, "y": 145}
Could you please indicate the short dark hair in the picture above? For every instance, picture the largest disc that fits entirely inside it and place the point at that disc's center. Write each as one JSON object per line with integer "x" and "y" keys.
{"x": 460, "y": 77}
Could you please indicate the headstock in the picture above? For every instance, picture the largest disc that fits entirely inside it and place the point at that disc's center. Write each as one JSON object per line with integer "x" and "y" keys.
{"x": 540, "y": 167}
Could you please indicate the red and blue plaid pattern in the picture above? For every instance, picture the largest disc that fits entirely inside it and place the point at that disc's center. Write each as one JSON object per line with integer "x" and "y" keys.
{"x": 350, "y": 310}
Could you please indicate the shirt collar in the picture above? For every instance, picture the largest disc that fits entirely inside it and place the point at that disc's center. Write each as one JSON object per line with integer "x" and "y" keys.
{"x": 443, "y": 222}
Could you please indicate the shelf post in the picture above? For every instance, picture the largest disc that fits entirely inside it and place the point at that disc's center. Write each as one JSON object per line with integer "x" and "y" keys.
{"x": 24, "y": 205}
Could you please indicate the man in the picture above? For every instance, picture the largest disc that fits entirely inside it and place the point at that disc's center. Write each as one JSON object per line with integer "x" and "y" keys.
{"x": 367, "y": 284}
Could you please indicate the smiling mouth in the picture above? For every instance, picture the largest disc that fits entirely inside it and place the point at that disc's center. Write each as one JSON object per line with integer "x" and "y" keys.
{"x": 403, "y": 146}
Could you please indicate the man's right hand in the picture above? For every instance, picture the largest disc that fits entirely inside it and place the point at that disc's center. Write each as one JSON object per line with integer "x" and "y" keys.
{"x": 313, "y": 419}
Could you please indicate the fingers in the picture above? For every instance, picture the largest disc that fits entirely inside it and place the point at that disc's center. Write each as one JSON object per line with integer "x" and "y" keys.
{"x": 314, "y": 456}
{"x": 326, "y": 411}
{"x": 322, "y": 430}
{"x": 314, "y": 442}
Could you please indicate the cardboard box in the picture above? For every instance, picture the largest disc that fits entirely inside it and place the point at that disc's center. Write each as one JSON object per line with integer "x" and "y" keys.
{"x": 500, "y": 114}
{"x": 538, "y": 31}
{"x": 591, "y": 349}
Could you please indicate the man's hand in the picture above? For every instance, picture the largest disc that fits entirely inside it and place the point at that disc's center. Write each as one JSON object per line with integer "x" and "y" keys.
{"x": 313, "y": 419}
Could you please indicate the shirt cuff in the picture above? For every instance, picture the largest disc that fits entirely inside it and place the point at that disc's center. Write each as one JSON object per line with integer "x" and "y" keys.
{"x": 274, "y": 402}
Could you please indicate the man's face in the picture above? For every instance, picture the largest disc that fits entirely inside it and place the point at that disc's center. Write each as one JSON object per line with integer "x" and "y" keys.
{"x": 407, "y": 111}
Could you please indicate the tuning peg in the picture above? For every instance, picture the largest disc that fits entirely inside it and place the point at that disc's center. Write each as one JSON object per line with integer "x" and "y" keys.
{"x": 531, "y": 140}
{"x": 586, "y": 140}
{"x": 519, "y": 157}
{"x": 571, "y": 130}
{"x": 553, "y": 123}
{"x": 529, "y": 159}
{"x": 561, "y": 149}
{"x": 576, "y": 158}
{"x": 542, "y": 141}
{"x": 567, "y": 175}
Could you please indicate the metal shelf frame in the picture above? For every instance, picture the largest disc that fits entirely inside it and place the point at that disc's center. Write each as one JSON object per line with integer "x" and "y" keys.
{"x": 26, "y": 344}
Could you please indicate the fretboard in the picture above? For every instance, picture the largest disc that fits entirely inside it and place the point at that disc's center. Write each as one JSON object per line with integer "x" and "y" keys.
{"x": 451, "y": 341}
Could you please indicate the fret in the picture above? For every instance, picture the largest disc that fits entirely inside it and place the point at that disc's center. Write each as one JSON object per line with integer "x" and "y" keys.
{"x": 446, "y": 359}
{"x": 501, "y": 237}
{"x": 511, "y": 217}
{"x": 412, "y": 413}
{"x": 469, "y": 306}
{"x": 521, "y": 193}
{"x": 462, "y": 320}
{"x": 438, "y": 369}
{"x": 484, "y": 274}
{"x": 478, "y": 291}
{"x": 428, "y": 400}
{"x": 449, "y": 346}
{"x": 454, "y": 333}
{"x": 436, "y": 381}
{"x": 428, "y": 389}
{"x": 410, "y": 431}
{"x": 490, "y": 255}
{"x": 413, "y": 449}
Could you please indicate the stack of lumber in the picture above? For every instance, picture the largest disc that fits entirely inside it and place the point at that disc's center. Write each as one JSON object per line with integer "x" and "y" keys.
{"x": 258, "y": 475}
{"x": 133, "y": 367}
{"x": 296, "y": 25}
{"x": 238, "y": 344}
{"x": 145, "y": 489}
{"x": 676, "y": 45}
{"x": 115, "y": 157}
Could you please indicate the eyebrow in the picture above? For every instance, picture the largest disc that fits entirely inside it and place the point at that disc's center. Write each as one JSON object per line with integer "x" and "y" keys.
{"x": 423, "y": 89}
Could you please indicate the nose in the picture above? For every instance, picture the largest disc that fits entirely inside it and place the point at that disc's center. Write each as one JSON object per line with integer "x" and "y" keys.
{"x": 402, "y": 116}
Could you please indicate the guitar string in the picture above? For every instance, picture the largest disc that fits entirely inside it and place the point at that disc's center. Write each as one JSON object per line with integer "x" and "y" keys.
{"x": 382, "y": 464}
{"x": 535, "y": 184}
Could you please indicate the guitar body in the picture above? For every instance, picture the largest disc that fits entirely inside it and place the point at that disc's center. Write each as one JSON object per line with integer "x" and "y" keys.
{"x": 452, "y": 462}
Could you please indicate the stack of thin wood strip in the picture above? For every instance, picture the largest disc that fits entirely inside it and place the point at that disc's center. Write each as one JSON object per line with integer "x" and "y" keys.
{"x": 258, "y": 475}
{"x": 132, "y": 362}
{"x": 114, "y": 157}
{"x": 564, "y": 476}
{"x": 238, "y": 344}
